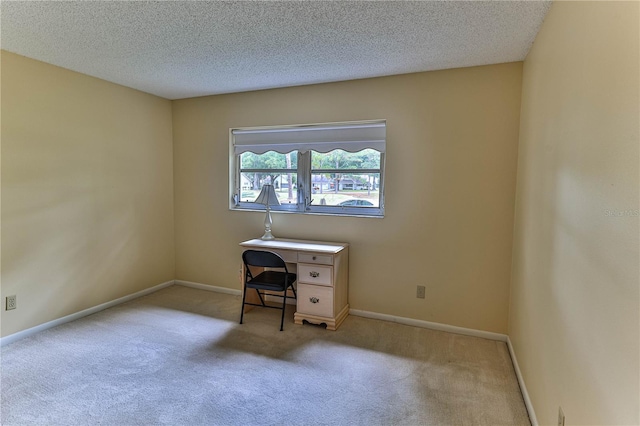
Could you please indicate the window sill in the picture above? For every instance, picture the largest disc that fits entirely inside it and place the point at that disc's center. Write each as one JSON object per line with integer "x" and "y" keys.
{"x": 344, "y": 213}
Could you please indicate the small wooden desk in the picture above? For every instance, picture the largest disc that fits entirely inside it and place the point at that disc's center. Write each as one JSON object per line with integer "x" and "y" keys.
{"x": 323, "y": 277}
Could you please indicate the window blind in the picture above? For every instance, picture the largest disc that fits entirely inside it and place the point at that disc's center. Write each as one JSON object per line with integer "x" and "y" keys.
{"x": 351, "y": 137}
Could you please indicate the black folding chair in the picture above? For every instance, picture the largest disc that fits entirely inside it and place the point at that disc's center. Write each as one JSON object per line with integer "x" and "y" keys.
{"x": 278, "y": 280}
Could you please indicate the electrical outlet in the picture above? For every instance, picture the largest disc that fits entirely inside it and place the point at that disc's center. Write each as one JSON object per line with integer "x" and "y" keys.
{"x": 420, "y": 292}
{"x": 11, "y": 302}
{"x": 560, "y": 417}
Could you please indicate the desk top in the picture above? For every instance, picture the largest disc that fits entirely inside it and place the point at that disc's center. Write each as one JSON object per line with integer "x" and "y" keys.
{"x": 298, "y": 245}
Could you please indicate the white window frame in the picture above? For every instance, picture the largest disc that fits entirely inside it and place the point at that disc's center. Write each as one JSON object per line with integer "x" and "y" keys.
{"x": 304, "y": 171}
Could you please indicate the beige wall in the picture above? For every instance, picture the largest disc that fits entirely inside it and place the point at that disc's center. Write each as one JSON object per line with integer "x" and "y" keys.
{"x": 450, "y": 187}
{"x": 87, "y": 191}
{"x": 574, "y": 318}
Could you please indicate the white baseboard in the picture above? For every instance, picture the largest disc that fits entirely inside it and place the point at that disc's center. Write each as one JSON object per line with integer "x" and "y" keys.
{"x": 278, "y": 300}
{"x": 72, "y": 317}
{"x": 523, "y": 388}
{"x": 431, "y": 325}
{"x": 209, "y": 287}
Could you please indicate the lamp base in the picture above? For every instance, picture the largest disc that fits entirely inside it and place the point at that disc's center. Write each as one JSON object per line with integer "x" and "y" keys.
{"x": 268, "y": 236}
{"x": 267, "y": 226}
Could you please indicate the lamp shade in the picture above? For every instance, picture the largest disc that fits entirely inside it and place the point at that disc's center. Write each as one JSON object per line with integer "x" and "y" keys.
{"x": 268, "y": 196}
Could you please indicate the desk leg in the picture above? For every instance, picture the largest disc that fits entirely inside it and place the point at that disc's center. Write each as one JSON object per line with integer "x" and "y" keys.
{"x": 332, "y": 323}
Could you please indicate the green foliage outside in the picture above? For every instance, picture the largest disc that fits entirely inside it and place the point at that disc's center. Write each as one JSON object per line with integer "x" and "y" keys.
{"x": 339, "y": 159}
{"x": 272, "y": 161}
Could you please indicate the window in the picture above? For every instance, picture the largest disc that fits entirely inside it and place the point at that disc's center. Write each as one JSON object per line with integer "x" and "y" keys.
{"x": 279, "y": 170}
{"x": 335, "y": 168}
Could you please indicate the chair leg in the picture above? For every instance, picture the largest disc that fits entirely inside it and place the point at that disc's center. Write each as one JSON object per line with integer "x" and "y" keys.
{"x": 244, "y": 296}
{"x": 260, "y": 296}
{"x": 295, "y": 296}
{"x": 284, "y": 304}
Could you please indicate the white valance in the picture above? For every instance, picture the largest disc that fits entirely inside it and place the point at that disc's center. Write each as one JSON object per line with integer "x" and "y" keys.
{"x": 351, "y": 137}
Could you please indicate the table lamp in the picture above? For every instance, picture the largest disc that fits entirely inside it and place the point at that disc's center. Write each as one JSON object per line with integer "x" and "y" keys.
{"x": 269, "y": 198}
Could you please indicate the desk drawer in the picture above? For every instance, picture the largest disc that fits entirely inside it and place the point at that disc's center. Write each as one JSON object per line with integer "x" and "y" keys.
{"x": 315, "y": 274}
{"x": 315, "y": 300}
{"x": 322, "y": 259}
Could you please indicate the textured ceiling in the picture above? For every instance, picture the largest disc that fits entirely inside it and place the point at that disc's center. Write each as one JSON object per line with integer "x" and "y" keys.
{"x": 180, "y": 49}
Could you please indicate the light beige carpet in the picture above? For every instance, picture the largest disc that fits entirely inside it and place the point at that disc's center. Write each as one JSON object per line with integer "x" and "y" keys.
{"x": 179, "y": 357}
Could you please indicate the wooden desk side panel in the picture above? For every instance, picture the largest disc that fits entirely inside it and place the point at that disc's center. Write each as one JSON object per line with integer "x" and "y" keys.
{"x": 251, "y": 297}
{"x": 341, "y": 281}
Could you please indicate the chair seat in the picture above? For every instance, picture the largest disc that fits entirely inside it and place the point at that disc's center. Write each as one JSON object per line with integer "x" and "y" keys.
{"x": 272, "y": 280}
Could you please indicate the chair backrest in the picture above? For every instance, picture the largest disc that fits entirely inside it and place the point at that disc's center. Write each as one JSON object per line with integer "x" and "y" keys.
{"x": 263, "y": 259}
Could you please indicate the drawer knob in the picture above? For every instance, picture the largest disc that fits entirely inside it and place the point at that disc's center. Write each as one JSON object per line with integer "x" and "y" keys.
{"x": 314, "y": 258}
{"x": 314, "y": 300}
{"x": 314, "y": 274}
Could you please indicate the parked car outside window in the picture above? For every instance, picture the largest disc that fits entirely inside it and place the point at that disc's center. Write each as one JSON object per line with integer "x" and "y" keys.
{"x": 351, "y": 203}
